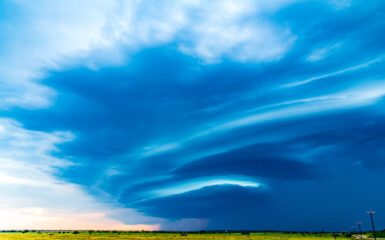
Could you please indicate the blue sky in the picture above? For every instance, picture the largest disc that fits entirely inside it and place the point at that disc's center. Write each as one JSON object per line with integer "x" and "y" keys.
{"x": 190, "y": 115}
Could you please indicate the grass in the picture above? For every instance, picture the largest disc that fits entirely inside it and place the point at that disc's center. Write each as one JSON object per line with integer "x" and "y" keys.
{"x": 164, "y": 236}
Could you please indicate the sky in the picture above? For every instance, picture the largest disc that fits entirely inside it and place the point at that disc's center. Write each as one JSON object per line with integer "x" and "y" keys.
{"x": 192, "y": 114}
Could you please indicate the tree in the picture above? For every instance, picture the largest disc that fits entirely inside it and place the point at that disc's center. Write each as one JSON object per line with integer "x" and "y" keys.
{"x": 335, "y": 235}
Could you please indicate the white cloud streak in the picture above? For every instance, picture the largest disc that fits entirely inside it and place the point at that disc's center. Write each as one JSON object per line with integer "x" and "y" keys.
{"x": 358, "y": 96}
{"x": 321, "y": 53}
{"x": 201, "y": 183}
{"x": 339, "y": 72}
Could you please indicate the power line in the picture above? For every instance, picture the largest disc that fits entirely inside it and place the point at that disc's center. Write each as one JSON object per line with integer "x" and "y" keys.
{"x": 359, "y": 227}
{"x": 371, "y": 218}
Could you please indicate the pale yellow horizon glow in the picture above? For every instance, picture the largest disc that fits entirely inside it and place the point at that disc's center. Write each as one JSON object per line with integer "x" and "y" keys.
{"x": 34, "y": 198}
{"x": 42, "y": 219}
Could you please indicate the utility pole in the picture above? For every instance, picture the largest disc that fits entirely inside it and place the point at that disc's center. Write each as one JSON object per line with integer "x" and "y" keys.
{"x": 371, "y": 218}
{"x": 359, "y": 226}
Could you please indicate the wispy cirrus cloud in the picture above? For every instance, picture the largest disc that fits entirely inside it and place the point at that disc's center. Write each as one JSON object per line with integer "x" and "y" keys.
{"x": 94, "y": 34}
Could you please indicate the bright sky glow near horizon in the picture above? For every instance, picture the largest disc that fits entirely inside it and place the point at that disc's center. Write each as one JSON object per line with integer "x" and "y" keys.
{"x": 192, "y": 114}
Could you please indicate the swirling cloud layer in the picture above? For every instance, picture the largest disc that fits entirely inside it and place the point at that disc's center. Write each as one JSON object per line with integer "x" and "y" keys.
{"x": 190, "y": 115}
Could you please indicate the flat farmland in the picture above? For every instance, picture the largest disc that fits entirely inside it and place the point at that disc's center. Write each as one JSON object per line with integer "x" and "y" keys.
{"x": 161, "y": 236}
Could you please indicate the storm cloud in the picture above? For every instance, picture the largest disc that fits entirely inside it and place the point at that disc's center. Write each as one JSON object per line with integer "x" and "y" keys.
{"x": 267, "y": 117}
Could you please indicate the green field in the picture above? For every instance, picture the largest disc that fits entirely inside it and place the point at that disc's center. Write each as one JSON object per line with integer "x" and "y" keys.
{"x": 160, "y": 236}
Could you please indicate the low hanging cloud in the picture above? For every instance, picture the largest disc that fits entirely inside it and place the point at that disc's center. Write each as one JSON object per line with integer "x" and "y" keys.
{"x": 207, "y": 202}
{"x": 33, "y": 198}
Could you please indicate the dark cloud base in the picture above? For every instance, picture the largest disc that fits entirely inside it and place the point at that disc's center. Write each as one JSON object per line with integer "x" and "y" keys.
{"x": 207, "y": 202}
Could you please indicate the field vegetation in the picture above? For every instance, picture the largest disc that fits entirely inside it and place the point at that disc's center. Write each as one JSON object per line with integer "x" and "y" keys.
{"x": 109, "y": 235}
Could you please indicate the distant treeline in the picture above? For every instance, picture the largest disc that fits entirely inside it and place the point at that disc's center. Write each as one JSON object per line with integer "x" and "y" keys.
{"x": 380, "y": 234}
